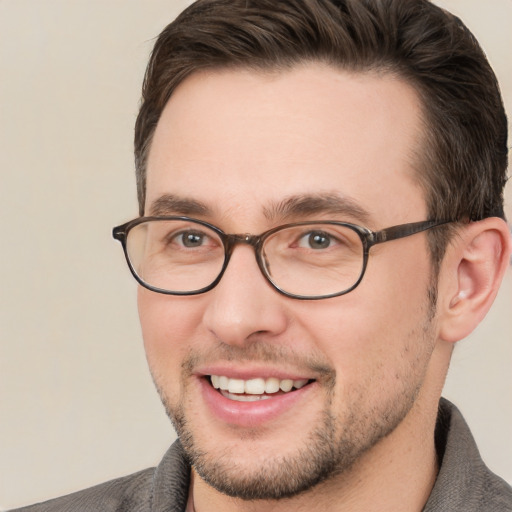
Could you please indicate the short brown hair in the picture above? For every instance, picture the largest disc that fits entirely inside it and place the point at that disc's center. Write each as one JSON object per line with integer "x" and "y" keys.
{"x": 463, "y": 162}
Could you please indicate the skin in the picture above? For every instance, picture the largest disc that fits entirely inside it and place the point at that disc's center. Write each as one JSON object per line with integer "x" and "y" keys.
{"x": 239, "y": 142}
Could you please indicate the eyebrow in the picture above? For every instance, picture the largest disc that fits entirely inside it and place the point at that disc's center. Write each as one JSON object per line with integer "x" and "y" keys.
{"x": 290, "y": 208}
{"x": 169, "y": 204}
{"x": 308, "y": 205}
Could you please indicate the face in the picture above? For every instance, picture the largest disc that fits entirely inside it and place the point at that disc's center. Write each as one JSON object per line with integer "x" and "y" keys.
{"x": 248, "y": 151}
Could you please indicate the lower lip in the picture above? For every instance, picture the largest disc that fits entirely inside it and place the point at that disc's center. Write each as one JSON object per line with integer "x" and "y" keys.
{"x": 250, "y": 414}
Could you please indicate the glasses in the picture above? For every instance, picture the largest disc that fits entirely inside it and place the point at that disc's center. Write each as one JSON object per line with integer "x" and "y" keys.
{"x": 304, "y": 260}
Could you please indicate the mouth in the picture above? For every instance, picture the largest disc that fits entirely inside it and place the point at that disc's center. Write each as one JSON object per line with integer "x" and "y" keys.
{"x": 252, "y": 397}
{"x": 255, "y": 389}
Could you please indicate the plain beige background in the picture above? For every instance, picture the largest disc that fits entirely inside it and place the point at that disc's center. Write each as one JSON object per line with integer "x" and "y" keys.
{"x": 77, "y": 405}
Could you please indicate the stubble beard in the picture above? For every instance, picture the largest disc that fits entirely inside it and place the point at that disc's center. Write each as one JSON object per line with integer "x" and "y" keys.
{"x": 330, "y": 450}
{"x": 325, "y": 455}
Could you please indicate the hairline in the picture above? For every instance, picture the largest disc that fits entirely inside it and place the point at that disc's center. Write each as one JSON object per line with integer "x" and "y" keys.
{"x": 420, "y": 162}
{"x": 418, "y": 153}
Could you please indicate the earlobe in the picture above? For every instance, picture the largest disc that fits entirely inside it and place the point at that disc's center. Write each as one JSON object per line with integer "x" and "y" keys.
{"x": 475, "y": 263}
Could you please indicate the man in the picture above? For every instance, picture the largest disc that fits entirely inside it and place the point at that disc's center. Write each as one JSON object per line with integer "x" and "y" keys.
{"x": 321, "y": 220}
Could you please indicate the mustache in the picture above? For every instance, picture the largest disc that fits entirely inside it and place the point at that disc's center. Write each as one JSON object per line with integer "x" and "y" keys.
{"x": 260, "y": 352}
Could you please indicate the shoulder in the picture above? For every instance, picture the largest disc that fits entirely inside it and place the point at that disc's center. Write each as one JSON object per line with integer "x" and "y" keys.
{"x": 464, "y": 482}
{"x": 129, "y": 493}
{"x": 162, "y": 488}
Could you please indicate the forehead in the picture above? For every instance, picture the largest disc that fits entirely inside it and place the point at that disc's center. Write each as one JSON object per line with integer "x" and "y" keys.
{"x": 241, "y": 140}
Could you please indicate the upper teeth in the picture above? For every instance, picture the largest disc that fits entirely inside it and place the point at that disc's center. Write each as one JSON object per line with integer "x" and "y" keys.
{"x": 256, "y": 386}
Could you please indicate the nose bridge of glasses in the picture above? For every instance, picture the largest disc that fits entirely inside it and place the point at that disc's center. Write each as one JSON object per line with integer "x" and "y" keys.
{"x": 244, "y": 238}
{"x": 255, "y": 241}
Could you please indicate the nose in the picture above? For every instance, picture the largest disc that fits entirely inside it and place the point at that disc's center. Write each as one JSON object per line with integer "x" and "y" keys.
{"x": 244, "y": 307}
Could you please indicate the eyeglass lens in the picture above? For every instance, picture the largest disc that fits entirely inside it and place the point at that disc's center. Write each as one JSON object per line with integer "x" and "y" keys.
{"x": 183, "y": 256}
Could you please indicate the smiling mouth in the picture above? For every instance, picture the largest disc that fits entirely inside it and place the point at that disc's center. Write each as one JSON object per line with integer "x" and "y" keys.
{"x": 252, "y": 390}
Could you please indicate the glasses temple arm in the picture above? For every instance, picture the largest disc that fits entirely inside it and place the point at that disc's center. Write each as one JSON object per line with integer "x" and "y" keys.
{"x": 404, "y": 230}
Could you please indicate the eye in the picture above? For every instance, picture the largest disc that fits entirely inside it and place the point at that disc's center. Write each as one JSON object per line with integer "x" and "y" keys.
{"x": 191, "y": 239}
{"x": 316, "y": 240}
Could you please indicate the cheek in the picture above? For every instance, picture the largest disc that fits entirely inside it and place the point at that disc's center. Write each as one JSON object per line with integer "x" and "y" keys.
{"x": 396, "y": 285}
{"x": 169, "y": 327}
{"x": 375, "y": 332}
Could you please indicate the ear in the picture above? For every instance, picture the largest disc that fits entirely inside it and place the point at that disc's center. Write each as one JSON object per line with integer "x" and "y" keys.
{"x": 470, "y": 276}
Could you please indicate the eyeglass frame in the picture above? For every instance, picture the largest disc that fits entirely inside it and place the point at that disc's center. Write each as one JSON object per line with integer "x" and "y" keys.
{"x": 368, "y": 239}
